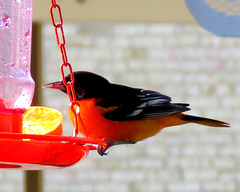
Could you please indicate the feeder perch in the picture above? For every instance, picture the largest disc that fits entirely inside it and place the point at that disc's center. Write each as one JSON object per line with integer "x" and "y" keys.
{"x": 23, "y": 147}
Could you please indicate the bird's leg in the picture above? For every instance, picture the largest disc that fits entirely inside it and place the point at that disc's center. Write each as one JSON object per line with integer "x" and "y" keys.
{"x": 102, "y": 150}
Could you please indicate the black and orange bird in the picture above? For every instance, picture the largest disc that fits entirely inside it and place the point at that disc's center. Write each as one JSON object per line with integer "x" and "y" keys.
{"x": 122, "y": 115}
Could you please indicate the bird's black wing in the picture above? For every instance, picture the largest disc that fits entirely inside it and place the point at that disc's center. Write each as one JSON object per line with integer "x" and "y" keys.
{"x": 136, "y": 104}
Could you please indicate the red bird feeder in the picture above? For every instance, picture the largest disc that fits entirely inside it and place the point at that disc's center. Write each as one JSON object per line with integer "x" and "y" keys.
{"x": 19, "y": 149}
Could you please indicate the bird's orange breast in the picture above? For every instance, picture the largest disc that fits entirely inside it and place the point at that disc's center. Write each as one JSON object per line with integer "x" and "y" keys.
{"x": 98, "y": 127}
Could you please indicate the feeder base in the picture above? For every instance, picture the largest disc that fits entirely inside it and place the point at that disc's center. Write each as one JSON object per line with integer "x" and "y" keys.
{"x": 38, "y": 152}
{"x": 32, "y": 155}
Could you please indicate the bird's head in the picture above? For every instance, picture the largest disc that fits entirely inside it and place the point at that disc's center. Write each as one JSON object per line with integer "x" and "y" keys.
{"x": 87, "y": 85}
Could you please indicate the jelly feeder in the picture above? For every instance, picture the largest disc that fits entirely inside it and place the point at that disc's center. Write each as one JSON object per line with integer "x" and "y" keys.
{"x": 28, "y": 139}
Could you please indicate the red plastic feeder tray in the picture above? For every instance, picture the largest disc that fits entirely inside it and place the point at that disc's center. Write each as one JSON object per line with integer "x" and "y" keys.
{"x": 38, "y": 152}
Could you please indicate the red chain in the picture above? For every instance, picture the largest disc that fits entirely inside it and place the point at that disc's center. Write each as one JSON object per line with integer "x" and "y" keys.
{"x": 70, "y": 84}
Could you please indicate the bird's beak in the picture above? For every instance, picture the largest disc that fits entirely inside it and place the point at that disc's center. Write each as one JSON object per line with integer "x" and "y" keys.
{"x": 56, "y": 85}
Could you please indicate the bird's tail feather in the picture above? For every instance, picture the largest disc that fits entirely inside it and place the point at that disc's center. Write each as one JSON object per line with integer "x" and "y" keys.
{"x": 204, "y": 121}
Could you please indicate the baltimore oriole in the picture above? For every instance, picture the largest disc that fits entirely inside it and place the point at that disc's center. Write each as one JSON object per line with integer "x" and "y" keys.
{"x": 121, "y": 114}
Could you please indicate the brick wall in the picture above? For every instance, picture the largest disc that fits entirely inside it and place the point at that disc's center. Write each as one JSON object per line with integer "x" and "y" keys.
{"x": 184, "y": 62}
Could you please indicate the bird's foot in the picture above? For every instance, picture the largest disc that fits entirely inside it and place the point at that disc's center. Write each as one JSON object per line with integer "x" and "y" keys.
{"x": 102, "y": 150}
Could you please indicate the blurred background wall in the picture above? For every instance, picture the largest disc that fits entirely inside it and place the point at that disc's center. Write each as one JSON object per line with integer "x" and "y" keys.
{"x": 182, "y": 61}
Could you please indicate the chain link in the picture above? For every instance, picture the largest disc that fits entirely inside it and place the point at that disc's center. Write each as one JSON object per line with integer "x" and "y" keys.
{"x": 59, "y": 32}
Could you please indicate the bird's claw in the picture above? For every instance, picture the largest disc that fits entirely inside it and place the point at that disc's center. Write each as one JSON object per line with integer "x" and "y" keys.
{"x": 102, "y": 149}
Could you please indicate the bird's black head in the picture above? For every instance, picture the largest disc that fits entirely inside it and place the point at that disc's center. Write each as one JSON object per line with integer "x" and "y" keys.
{"x": 87, "y": 85}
